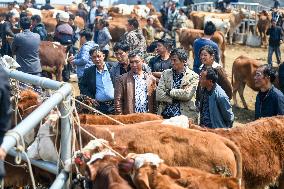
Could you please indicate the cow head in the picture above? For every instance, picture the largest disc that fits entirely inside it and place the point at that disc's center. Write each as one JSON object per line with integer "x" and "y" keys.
{"x": 28, "y": 101}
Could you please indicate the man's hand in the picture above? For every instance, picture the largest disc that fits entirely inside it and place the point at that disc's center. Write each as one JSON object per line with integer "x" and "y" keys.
{"x": 2, "y": 154}
{"x": 71, "y": 59}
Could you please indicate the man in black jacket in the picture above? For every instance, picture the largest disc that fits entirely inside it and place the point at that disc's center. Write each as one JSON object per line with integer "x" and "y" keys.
{"x": 5, "y": 114}
{"x": 275, "y": 38}
{"x": 269, "y": 100}
{"x": 6, "y": 30}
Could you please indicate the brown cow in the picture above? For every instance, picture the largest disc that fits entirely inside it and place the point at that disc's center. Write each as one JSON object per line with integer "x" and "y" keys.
{"x": 234, "y": 17}
{"x": 151, "y": 176}
{"x": 52, "y": 57}
{"x": 90, "y": 119}
{"x": 261, "y": 146}
{"x": 243, "y": 72}
{"x": 263, "y": 24}
{"x": 177, "y": 146}
{"x": 188, "y": 36}
{"x": 104, "y": 174}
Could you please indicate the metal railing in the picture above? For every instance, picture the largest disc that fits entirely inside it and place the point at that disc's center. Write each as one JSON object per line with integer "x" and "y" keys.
{"x": 63, "y": 92}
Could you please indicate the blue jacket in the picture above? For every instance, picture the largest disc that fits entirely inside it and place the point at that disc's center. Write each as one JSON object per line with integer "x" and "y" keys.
{"x": 220, "y": 109}
{"x": 272, "y": 105}
{"x": 82, "y": 59}
{"x": 40, "y": 29}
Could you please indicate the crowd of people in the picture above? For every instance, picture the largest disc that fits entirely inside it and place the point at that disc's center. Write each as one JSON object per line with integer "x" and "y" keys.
{"x": 165, "y": 85}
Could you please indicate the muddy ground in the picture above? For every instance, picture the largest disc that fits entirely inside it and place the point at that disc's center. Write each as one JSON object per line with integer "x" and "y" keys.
{"x": 232, "y": 52}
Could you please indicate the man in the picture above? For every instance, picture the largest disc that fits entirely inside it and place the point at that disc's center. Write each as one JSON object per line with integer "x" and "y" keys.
{"x": 209, "y": 31}
{"x": 215, "y": 108}
{"x": 275, "y": 39}
{"x": 5, "y": 115}
{"x": 122, "y": 66}
{"x": 6, "y": 30}
{"x": 83, "y": 59}
{"x": 149, "y": 31}
{"x": 172, "y": 16}
{"x": 162, "y": 61}
{"x": 269, "y": 100}
{"x": 96, "y": 82}
{"x": 64, "y": 32}
{"x": 47, "y": 6}
{"x": 177, "y": 87}
{"x": 276, "y": 4}
{"x": 38, "y": 27}
{"x": 134, "y": 37}
{"x": 134, "y": 91}
{"x": 26, "y": 48}
{"x": 92, "y": 15}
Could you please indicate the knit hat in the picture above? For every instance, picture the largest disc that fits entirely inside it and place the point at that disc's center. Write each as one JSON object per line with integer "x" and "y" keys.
{"x": 64, "y": 17}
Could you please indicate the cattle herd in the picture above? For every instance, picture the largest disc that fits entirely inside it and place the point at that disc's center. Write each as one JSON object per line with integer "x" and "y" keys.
{"x": 144, "y": 152}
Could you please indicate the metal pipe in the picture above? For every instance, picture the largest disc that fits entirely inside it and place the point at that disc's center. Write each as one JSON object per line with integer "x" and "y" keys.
{"x": 48, "y": 166}
{"x": 60, "y": 180}
{"x": 66, "y": 134}
{"x": 33, "y": 79}
{"x": 35, "y": 117}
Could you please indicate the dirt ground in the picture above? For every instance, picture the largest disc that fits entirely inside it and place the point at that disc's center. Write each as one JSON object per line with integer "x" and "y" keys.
{"x": 232, "y": 52}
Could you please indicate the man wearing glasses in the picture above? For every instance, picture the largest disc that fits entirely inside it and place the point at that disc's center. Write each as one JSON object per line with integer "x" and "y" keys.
{"x": 269, "y": 100}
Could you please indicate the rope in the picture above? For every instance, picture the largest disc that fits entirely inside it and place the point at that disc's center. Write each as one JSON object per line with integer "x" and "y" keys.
{"x": 97, "y": 111}
{"x": 20, "y": 148}
{"x": 107, "y": 146}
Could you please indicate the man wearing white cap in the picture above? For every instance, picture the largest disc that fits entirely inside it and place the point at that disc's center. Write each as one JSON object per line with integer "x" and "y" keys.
{"x": 64, "y": 32}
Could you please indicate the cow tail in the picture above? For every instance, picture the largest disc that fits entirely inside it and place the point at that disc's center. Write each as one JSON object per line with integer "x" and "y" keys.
{"x": 239, "y": 162}
{"x": 232, "y": 79}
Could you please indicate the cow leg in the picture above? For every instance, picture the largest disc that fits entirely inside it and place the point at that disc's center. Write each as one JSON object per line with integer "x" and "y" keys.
{"x": 281, "y": 181}
{"x": 235, "y": 86}
{"x": 241, "y": 93}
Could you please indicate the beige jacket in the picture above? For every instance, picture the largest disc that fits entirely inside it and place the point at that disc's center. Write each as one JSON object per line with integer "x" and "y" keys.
{"x": 186, "y": 93}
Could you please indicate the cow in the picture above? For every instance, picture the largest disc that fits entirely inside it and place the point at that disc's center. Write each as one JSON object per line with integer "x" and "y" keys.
{"x": 222, "y": 25}
{"x": 52, "y": 57}
{"x": 163, "y": 176}
{"x": 263, "y": 24}
{"x": 188, "y": 36}
{"x": 104, "y": 174}
{"x": 125, "y": 119}
{"x": 243, "y": 72}
{"x": 177, "y": 146}
{"x": 261, "y": 146}
{"x": 235, "y": 19}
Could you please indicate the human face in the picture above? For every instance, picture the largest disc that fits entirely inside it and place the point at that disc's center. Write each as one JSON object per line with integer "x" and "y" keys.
{"x": 177, "y": 64}
{"x": 136, "y": 63}
{"x": 202, "y": 79}
{"x": 260, "y": 80}
{"x": 82, "y": 40}
{"x": 129, "y": 27}
{"x": 121, "y": 56}
{"x": 161, "y": 48}
{"x": 206, "y": 58}
{"x": 98, "y": 59}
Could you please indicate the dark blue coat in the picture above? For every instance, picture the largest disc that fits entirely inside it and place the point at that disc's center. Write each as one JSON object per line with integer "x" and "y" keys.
{"x": 272, "y": 105}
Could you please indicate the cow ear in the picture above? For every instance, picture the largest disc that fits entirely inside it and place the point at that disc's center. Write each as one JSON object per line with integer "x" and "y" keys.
{"x": 91, "y": 171}
{"x": 142, "y": 180}
{"x": 170, "y": 171}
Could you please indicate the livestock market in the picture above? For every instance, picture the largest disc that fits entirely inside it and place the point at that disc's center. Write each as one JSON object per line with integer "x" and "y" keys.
{"x": 141, "y": 94}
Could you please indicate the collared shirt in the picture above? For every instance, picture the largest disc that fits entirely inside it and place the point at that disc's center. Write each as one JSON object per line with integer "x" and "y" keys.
{"x": 141, "y": 100}
{"x": 173, "y": 109}
{"x": 104, "y": 86}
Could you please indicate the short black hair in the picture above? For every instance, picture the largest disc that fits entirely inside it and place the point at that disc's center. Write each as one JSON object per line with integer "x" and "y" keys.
{"x": 268, "y": 71}
{"x": 211, "y": 74}
{"x": 95, "y": 49}
{"x": 36, "y": 18}
{"x": 209, "y": 28}
{"x": 134, "y": 53}
{"x": 133, "y": 22}
{"x": 87, "y": 33}
{"x": 72, "y": 17}
{"x": 168, "y": 43}
{"x": 122, "y": 46}
{"x": 23, "y": 14}
{"x": 208, "y": 49}
{"x": 25, "y": 23}
{"x": 9, "y": 16}
{"x": 180, "y": 53}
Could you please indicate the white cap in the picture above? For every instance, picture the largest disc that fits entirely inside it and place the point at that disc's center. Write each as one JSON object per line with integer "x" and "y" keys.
{"x": 64, "y": 17}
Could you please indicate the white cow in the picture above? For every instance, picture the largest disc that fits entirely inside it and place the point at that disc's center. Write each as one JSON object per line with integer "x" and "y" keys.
{"x": 222, "y": 25}
{"x": 141, "y": 10}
